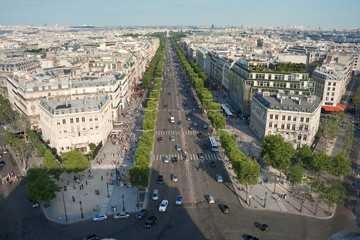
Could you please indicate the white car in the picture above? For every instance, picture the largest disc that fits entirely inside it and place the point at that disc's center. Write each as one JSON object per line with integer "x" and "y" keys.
{"x": 219, "y": 178}
{"x": 174, "y": 177}
{"x": 155, "y": 195}
{"x": 178, "y": 200}
{"x": 100, "y": 217}
{"x": 166, "y": 159}
{"x": 210, "y": 198}
{"x": 205, "y": 126}
{"x": 172, "y": 138}
{"x": 163, "y": 205}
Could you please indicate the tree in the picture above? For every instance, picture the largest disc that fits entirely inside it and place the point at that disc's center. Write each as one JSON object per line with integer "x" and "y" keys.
{"x": 333, "y": 192}
{"x": 74, "y": 161}
{"x": 247, "y": 172}
{"x": 329, "y": 129}
{"x": 295, "y": 174}
{"x": 49, "y": 161}
{"x": 338, "y": 116}
{"x": 277, "y": 152}
{"x": 319, "y": 162}
{"x": 304, "y": 154}
{"x": 39, "y": 185}
{"x": 339, "y": 165}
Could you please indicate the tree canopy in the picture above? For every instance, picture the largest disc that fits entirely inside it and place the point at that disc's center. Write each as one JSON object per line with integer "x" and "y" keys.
{"x": 74, "y": 161}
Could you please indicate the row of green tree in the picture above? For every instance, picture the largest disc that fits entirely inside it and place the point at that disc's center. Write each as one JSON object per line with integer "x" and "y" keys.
{"x": 199, "y": 82}
{"x": 305, "y": 165}
{"x": 246, "y": 170}
{"x": 139, "y": 174}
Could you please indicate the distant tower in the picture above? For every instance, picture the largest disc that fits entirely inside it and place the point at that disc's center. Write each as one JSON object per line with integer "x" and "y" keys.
{"x": 212, "y": 26}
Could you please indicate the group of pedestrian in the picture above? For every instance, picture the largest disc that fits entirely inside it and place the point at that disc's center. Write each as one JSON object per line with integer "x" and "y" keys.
{"x": 10, "y": 177}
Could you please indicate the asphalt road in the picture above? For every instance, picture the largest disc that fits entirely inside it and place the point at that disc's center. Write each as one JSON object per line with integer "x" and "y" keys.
{"x": 196, "y": 219}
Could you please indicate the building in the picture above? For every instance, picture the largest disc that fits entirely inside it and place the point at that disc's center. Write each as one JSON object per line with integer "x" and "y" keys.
{"x": 332, "y": 79}
{"x": 74, "y": 124}
{"x": 295, "y": 117}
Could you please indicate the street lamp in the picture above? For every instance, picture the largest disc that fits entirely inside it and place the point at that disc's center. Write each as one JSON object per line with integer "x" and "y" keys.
{"x": 107, "y": 187}
{"x": 265, "y": 199}
{"x": 62, "y": 192}
{"x": 82, "y": 215}
{"x": 123, "y": 203}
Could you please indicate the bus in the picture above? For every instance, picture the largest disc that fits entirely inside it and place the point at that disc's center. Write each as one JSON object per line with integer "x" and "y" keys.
{"x": 226, "y": 110}
{"x": 213, "y": 144}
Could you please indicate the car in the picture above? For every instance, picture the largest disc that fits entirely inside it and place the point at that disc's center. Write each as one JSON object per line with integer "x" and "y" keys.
{"x": 159, "y": 139}
{"x": 124, "y": 215}
{"x": 119, "y": 123}
{"x": 155, "y": 195}
{"x": 212, "y": 164}
{"x": 36, "y": 204}
{"x": 99, "y": 217}
{"x": 264, "y": 227}
{"x": 178, "y": 147}
{"x": 172, "y": 120}
{"x": 210, "y": 199}
{"x": 178, "y": 200}
{"x": 172, "y": 138}
{"x": 205, "y": 146}
{"x": 219, "y": 178}
{"x": 205, "y": 126}
{"x": 174, "y": 159}
{"x": 150, "y": 222}
{"x": 249, "y": 237}
{"x": 200, "y": 155}
{"x": 2, "y": 163}
{"x": 191, "y": 128}
{"x": 195, "y": 124}
{"x": 199, "y": 134}
{"x": 160, "y": 179}
{"x": 92, "y": 237}
{"x": 180, "y": 123}
{"x": 224, "y": 208}
{"x": 165, "y": 159}
{"x": 174, "y": 177}
{"x": 188, "y": 118}
{"x": 142, "y": 213}
{"x": 163, "y": 205}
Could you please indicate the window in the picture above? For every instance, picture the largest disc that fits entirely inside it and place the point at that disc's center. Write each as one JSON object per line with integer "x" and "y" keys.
{"x": 96, "y": 118}
{"x": 301, "y": 119}
{"x": 332, "y": 94}
{"x": 294, "y": 119}
{"x": 275, "y": 125}
{"x": 289, "y": 118}
{"x": 333, "y": 89}
{"x": 299, "y": 137}
{"x": 307, "y": 119}
{"x": 334, "y": 84}
{"x": 58, "y": 123}
{"x": 306, "y": 127}
{"x": 83, "y": 119}
{"x": 270, "y": 124}
{"x": 305, "y": 137}
{"x": 328, "y": 89}
{"x": 276, "y": 117}
{"x": 327, "y": 93}
{"x": 329, "y": 83}
{"x": 301, "y": 127}
{"x": 64, "y": 121}
{"x": 282, "y": 126}
{"x": 283, "y": 117}
{"x": 288, "y": 126}
{"x": 271, "y": 116}
{"x": 90, "y": 119}
{"x": 77, "y": 120}
{"x": 71, "y": 120}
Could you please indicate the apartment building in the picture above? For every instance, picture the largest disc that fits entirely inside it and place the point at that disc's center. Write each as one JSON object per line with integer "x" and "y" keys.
{"x": 295, "y": 117}
{"x": 74, "y": 124}
{"x": 332, "y": 79}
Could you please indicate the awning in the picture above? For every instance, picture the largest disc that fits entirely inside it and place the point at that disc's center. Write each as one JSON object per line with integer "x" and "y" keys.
{"x": 338, "y": 107}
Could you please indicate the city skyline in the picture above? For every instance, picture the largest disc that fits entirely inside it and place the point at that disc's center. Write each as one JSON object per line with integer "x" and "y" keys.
{"x": 314, "y": 14}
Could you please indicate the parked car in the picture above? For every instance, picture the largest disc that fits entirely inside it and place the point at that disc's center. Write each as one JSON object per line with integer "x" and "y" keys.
{"x": 225, "y": 208}
{"x": 205, "y": 126}
{"x": 91, "y": 237}
{"x": 200, "y": 155}
{"x": 155, "y": 195}
{"x": 165, "y": 159}
{"x": 163, "y": 205}
{"x": 160, "y": 179}
{"x": 124, "y": 215}
{"x": 200, "y": 135}
{"x": 210, "y": 199}
{"x": 150, "y": 222}
{"x": 178, "y": 147}
{"x": 190, "y": 128}
{"x": 2, "y": 163}
{"x": 174, "y": 177}
{"x": 264, "y": 227}
{"x": 195, "y": 124}
{"x": 159, "y": 139}
{"x": 205, "y": 146}
{"x": 36, "y": 204}
{"x": 249, "y": 237}
{"x": 188, "y": 118}
{"x": 219, "y": 178}
{"x": 178, "y": 200}
{"x": 212, "y": 164}
{"x": 100, "y": 217}
{"x": 180, "y": 123}
{"x": 142, "y": 213}
{"x": 172, "y": 138}
{"x": 174, "y": 159}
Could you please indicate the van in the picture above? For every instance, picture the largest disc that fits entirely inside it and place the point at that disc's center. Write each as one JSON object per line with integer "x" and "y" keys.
{"x": 118, "y": 123}
{"x": 172, "y": 120}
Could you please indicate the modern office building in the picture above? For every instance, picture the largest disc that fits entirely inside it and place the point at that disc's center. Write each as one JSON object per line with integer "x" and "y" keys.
{"x": 295, "y": 117}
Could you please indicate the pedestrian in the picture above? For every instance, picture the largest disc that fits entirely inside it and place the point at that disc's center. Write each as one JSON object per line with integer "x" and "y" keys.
{"x": 86, "y": 182}
{"x": 73, "y": 198}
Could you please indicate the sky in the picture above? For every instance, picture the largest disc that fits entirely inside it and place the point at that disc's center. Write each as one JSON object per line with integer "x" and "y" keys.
{"x": 328, "y": 14}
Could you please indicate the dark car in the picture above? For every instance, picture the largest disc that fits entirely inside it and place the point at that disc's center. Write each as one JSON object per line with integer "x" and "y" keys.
{"x": 180, "y": 123}
{"x": 150, "y": 222}
{"x": 142, "y": 213}
{"x": 159, "y": 139}
{"x": 91, "y": 237}
{"x": 225, "y": 208}
{"x": 160, "y": 179}
{"x": 249, "y": 237}
{"x": 205, "y": 146}
{"x": 212, "y": 164}
{"x": 200, "y": 135}
{"x": 200, "y": 155}
{"x": 174, "y": 159}
{"x": 2, "y": 163}
{"x": 264, "y": 227}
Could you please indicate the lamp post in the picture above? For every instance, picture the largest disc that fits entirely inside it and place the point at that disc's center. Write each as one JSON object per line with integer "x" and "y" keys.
{"x": 123, "y": 203}
{"x": 62, "y": 192}
{"x": 107, "y": 187}
{"x": 265, "y": 199}
{"x": 82, "y": 215}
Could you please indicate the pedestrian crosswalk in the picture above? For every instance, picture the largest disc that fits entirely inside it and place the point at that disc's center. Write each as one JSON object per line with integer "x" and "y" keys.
{"x": 172, "y": 110}
{"x": 191, "y": 157}
{"x": 177, "y": 132}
